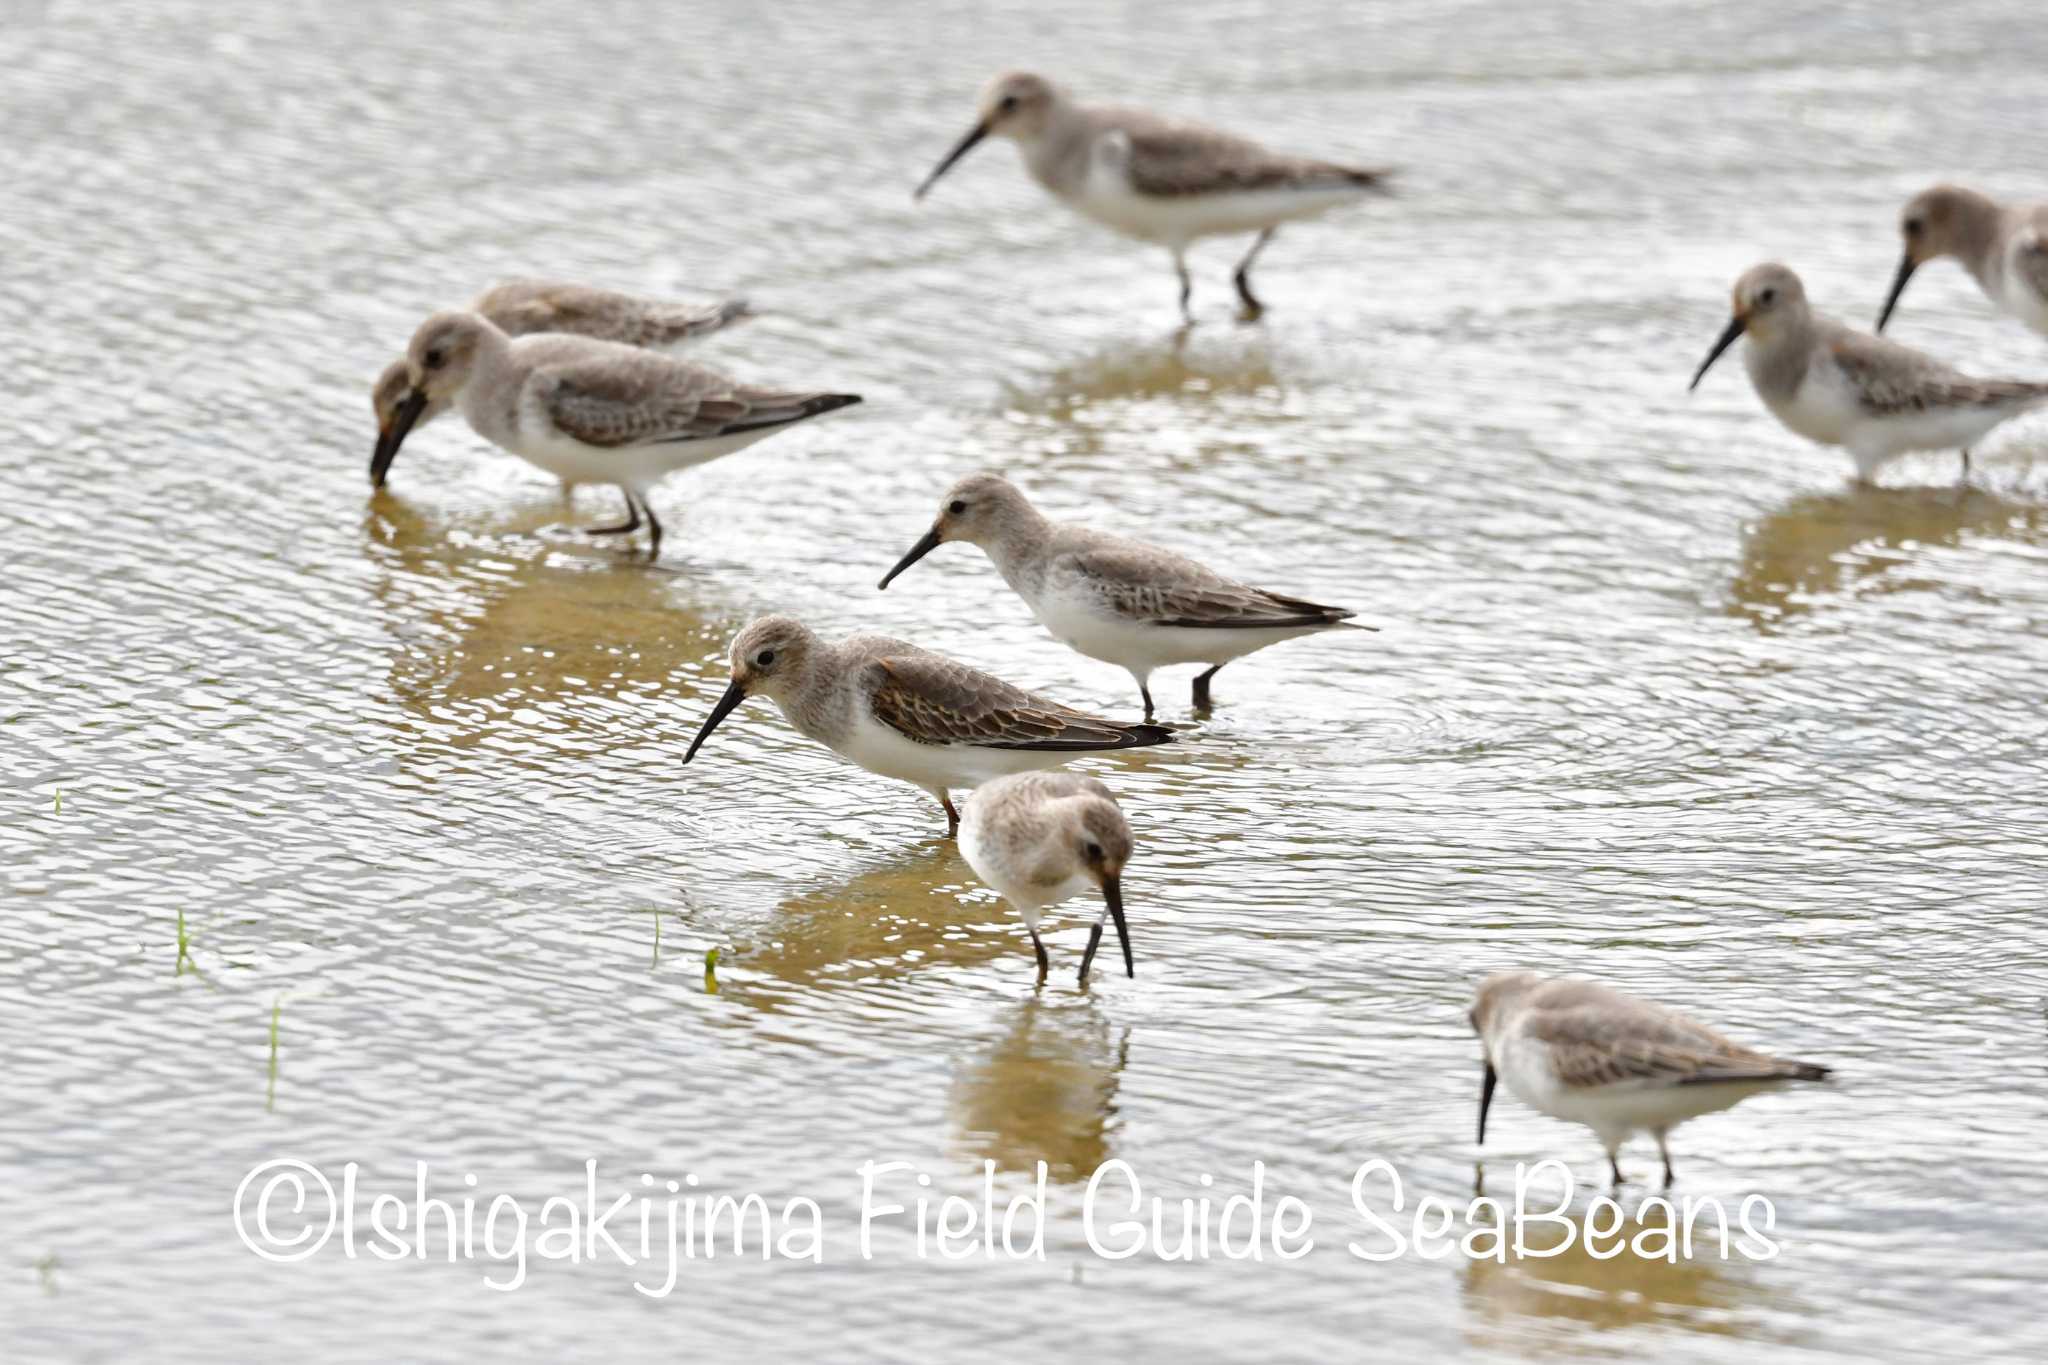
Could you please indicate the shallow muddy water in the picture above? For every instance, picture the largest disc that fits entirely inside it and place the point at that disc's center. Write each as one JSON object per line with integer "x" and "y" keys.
{"x": 1655, "y": 696}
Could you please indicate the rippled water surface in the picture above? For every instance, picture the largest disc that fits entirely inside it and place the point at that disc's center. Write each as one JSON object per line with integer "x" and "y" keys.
{"x": 1654, "y": 696}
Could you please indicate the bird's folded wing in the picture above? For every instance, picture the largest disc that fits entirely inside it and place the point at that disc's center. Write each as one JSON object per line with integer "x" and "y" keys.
{"x": 652, "y": 399}
{"x": 1173, "y": 159}
{"x": 1891, "y": 379}
{"x": 1590, "y": 1050}
{"x": 934, "y": 700}
{"x": 1165, "y": 590}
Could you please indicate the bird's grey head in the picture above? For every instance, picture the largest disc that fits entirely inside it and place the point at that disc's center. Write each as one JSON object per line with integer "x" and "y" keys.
{"x": 443, "y": 353}
{"x": 1767, "y": 297}
{"x": 1498, "y": 994}
{"x": 1100, "y": 836}
{"x": 980, "y": 509}
{"x": 1769, "y": 302}
{"x": 1017, "y": 104}
{"x": 770, "y": 654}
{"x": 1936, "y": 222}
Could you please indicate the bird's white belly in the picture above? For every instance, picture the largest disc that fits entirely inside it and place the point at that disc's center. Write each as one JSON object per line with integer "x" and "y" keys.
{"x": 1613, "y": 1111}
{"x": 887, "y": 752}
{"x": 1175, "y": 220}
{"x": 1140, "y": 646}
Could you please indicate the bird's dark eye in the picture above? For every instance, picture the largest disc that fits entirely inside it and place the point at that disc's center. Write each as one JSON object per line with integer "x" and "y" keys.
{"x": 1913, "y": 226}
{"x": 956, "y": 507}
{"x": 766, "y": 658}
{"x": 1094, "y": 850}
{"x": 1007, "y": 103}
{"x": 436, "y": 358}
{"x": 1768, "y": 297}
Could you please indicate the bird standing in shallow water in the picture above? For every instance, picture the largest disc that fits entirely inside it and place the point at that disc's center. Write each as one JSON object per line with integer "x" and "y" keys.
{"x": 525, "y": 307}
{"x": 1586, "y": 1054}
{"x": 1154, "y": 179}
{"x": 588, "y": 411}
{"x": 1841, "y": 387}
{"x": 1122, "y": 601}
{"x": 910, "y": 714}
{"x": 1040, "y": 838}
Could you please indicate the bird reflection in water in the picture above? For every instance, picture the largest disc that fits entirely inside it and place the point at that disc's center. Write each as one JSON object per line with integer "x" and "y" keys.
{"x": 1044, "y": 1090}
{"x": 1823, "y": 546}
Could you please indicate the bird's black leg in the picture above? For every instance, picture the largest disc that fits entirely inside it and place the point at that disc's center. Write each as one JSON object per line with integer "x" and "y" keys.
{"x": 1966, "y": 465}
{"x": 1146, "y": 693}
{"x": 653, "y": 530}
{"x": 953, "y": 828}
{"x": 1044, "y": 962}
{"x": 1202, "y": 688}
{"x": 1088, "y": 958}
{"x": 1187, "y": 287}
{"x": 1615, "y": 1166}
{"x": 1252, "y": 307}
{"x": 631, "y": 523}
{"x": 1665, "y": 1152}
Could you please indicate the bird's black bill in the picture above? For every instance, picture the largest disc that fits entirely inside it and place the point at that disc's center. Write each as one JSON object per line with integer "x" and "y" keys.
{"x": 1734, "y": 330}
{"x": 727, "y": 704}
{"x": 1113, "y": 893}
{"x": 960, "y": 149}
{"x": 1486, "y": 1099}
{"x": 1907, "y": 265}
{"x": 389, "y": 441}
{"x": 918, "y": 551}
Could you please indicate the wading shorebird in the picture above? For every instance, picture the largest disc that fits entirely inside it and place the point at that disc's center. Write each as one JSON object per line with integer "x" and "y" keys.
{"x": 525, "y": 307}
{"x": 1841, "y": 387}
{"x": 907, "y": 713}
{"x": 2003, "y": 246}
{"x": 588, "y": 411}
{"x": 1121, "y": 601}
{"x": 1040, "y": 838}
{"x": 1580, "y": 1052}
{"x": 1156, "y": 179}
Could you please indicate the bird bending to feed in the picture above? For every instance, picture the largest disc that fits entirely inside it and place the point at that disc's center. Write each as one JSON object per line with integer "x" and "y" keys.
{"x": 1583, "y": 1053}
{"x": 1121, "y": 601}
{"x": 1156, "y": 179}
{"x": 2003, "y": 246}
{"x": 524, "y": 307}
{"x": 1840, "y": 387}
{"x": 588, "y": 411}
{"x": 1040, "y": 838}
{"x": 910, "y": 714}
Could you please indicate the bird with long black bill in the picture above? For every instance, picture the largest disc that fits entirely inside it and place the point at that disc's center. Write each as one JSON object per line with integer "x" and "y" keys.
{"x": 907, "y": 713}
{"x": 1158, "y": 180}
{"x": 2003, "y": 246}
{"x": 1042, "y": 838}
{"x": 588, "y": 411}
{"x": 1578, "y": 1051}
{"x": 1841, "y": 387}
{"x": 1122, "y": 601}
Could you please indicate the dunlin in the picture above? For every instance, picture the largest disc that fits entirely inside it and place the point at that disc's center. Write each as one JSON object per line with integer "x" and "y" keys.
{"x": 1841, "y": 387}
{"x": 1040, "y": 838}
{"x": 525, "y": 307}
{"x": 2003, "y": 246}
{"x": 1121, "y": 601}
{"x": 1583, "y": 1053}
{"x": 588, "y": 411}
{"x": 1156, "y": 179}
{"x": 910, "y": 714}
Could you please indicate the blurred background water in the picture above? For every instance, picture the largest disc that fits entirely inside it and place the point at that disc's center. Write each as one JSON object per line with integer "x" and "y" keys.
{"x": 1655, "y": 697}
